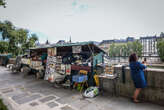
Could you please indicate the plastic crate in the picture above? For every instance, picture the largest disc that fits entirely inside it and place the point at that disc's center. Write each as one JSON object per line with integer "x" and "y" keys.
{"x": 79, "y": 78}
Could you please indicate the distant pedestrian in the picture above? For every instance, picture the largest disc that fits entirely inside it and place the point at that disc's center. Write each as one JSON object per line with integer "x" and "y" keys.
{"x": 137, "y": 74}
{"x": 144, "y": 62}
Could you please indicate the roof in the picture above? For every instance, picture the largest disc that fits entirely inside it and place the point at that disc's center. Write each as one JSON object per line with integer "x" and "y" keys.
{"x": 68, "y": 45}
{"x": 149, "y": 37}
{"x": 72, "y": 44}
{"x": 40, "y": 47}
{"x": 62, "y": 45}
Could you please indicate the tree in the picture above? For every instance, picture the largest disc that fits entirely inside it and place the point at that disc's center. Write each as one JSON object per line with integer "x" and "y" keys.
{"x": 125, "y": 49}
{"x": 160, "y": 48}
{"x": 112, "y": 50}
{"x": 137, "y": 48}
{"x": 31, "y": 41}
{"x": 4, "y": 47}
{"x": 3, "y": 3}
{"x": 19, "y": 39}
{"x": 6, "y": 28}
{"x": 129, "y": 48}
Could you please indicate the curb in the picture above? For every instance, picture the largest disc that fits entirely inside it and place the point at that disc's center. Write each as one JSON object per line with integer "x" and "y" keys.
{"x": 10, "y": 105}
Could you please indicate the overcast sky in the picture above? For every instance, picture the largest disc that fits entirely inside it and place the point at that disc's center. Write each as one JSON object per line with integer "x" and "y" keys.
{"x": 86, "y": 20}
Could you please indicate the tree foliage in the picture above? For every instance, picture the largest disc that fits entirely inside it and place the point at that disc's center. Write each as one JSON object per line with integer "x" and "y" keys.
{"x": 2, "y": 105}
{"x": 125, "y": 49}
{"x": 4, "y": 47}
{"x": 3, "y": 3}
{"x": 160, "y": 48}
{"x": 18, "y": 39}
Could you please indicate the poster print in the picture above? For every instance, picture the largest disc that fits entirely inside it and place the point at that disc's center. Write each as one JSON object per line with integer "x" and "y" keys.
{"x": 76, "y": 49}
{"x": 50, "y": 69}
{"x": 25, "y": 61}
{"x": 63, "y": 68}
{"x": 68, "y": 69}
{"x": 51, "y": 51}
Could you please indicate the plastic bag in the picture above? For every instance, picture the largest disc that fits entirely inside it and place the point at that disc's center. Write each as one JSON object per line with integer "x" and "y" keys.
{"x": 91, "y": 92}
{"x": 51, "y": 78}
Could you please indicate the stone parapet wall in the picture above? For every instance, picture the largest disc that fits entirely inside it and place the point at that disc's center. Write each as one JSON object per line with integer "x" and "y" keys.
{"x": 154, "y": 92}
{"x": 150, "y": 60}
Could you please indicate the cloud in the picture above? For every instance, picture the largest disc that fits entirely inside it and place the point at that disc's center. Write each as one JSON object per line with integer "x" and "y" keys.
{"x": 78, "y": 8}
{"x": 83, "y": 7}
{"x": 74, "y": 3}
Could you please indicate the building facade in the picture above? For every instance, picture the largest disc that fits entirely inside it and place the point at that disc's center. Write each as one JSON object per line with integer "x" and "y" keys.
{"x": 149, "y": 45}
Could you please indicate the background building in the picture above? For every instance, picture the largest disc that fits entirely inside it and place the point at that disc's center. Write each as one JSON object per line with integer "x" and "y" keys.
{"x": 149, "y": 45}
{"x": 105, "y": 44}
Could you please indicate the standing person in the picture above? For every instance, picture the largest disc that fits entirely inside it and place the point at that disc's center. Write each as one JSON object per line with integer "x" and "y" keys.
{"x": 144, "y": 62}
{"x": 137, "y": 74}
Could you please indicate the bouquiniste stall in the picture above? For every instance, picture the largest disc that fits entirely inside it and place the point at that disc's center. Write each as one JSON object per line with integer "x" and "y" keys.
{"x": 35, "y": 61}
{"x": 76, "y": 61}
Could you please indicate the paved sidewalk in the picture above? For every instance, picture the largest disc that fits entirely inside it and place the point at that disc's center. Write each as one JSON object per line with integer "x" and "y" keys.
{"x": 27, "y": 93}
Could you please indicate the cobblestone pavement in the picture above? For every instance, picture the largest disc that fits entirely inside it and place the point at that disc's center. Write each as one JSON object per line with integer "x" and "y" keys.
{"x": 28, "y": 93}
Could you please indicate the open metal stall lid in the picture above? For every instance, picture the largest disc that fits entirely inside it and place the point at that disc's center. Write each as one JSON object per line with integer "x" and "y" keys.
{"x": 39, "y": 49}
{"x": 86, "y": 47}
{"x": 89, "y": 44}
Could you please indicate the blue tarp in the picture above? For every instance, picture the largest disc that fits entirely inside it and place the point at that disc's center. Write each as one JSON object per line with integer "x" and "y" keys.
{"x": 4, "y": 58}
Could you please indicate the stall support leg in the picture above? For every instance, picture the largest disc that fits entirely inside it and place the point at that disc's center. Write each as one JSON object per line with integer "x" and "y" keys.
{"x": 101, "y": 86}
{"x": 83, "y": 83}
